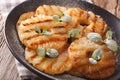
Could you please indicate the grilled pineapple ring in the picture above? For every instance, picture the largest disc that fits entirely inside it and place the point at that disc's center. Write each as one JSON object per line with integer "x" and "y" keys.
{"x": 52, "y": 66}
{"x": 30, "y": 38}
{"x": 81, "y": 50}
{"x": 87, "y": 21}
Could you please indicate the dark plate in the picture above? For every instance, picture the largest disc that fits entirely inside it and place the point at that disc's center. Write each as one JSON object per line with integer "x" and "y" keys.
{"x": 17, "y": 49}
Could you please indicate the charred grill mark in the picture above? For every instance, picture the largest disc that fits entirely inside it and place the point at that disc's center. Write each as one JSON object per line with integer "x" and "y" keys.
{"x": 65, "y": 61}
{"x": 95, "y": 19}
{"x": 33, "y": 56}
{"x": 52, "y": 64}
{"x": 27, "y": 24}
{"x": 94, "y": 27}
{"x": 55, "y": 10}
{"x": 88, "y": 16}
{"x": 40, "y": 10}
{"x": 30, "y": 37}
{"x": 104, "y": 28}
{"x": 41, "y": 42}
{"x": 61, "y": 66}
{"x": 84, "y": 31}
{"x": 81, "y": 12}
{"x": 40, "y": 62}
{"x": 51, "y": 10}
{"x": 44, "y": 64}
{"x": 27, "y": 30}
{"x": 44, "y": 21}
{"x": 59, "y": 9}
{"x": 60, "y": 33}
{"x": 41, "y": 25}
{"x": 59, "y": 27}
{"x": 44, "y": 10}
{"x": 48, "y": 11}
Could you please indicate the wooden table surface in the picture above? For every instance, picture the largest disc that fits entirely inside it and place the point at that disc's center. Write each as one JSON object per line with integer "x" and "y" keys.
{"x": 8, "y": 69}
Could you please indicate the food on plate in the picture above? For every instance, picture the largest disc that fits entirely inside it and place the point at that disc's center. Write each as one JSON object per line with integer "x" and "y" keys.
{"x": 49, "y": 65}
{"x": 80, "y": 18}
{"x": 30, "y": 36}
{"x": 88, "y": 65}
{"x": 68, "y": 40}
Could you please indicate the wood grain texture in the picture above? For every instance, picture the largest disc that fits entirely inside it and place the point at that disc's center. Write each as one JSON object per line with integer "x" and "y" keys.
{"x": 113, "y": 6}
{"x": 8, "y": 69}
{"x": 118, "y": 9}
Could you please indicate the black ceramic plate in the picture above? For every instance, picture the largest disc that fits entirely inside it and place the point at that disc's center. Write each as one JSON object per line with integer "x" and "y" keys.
{"x": 17, "y": 49}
